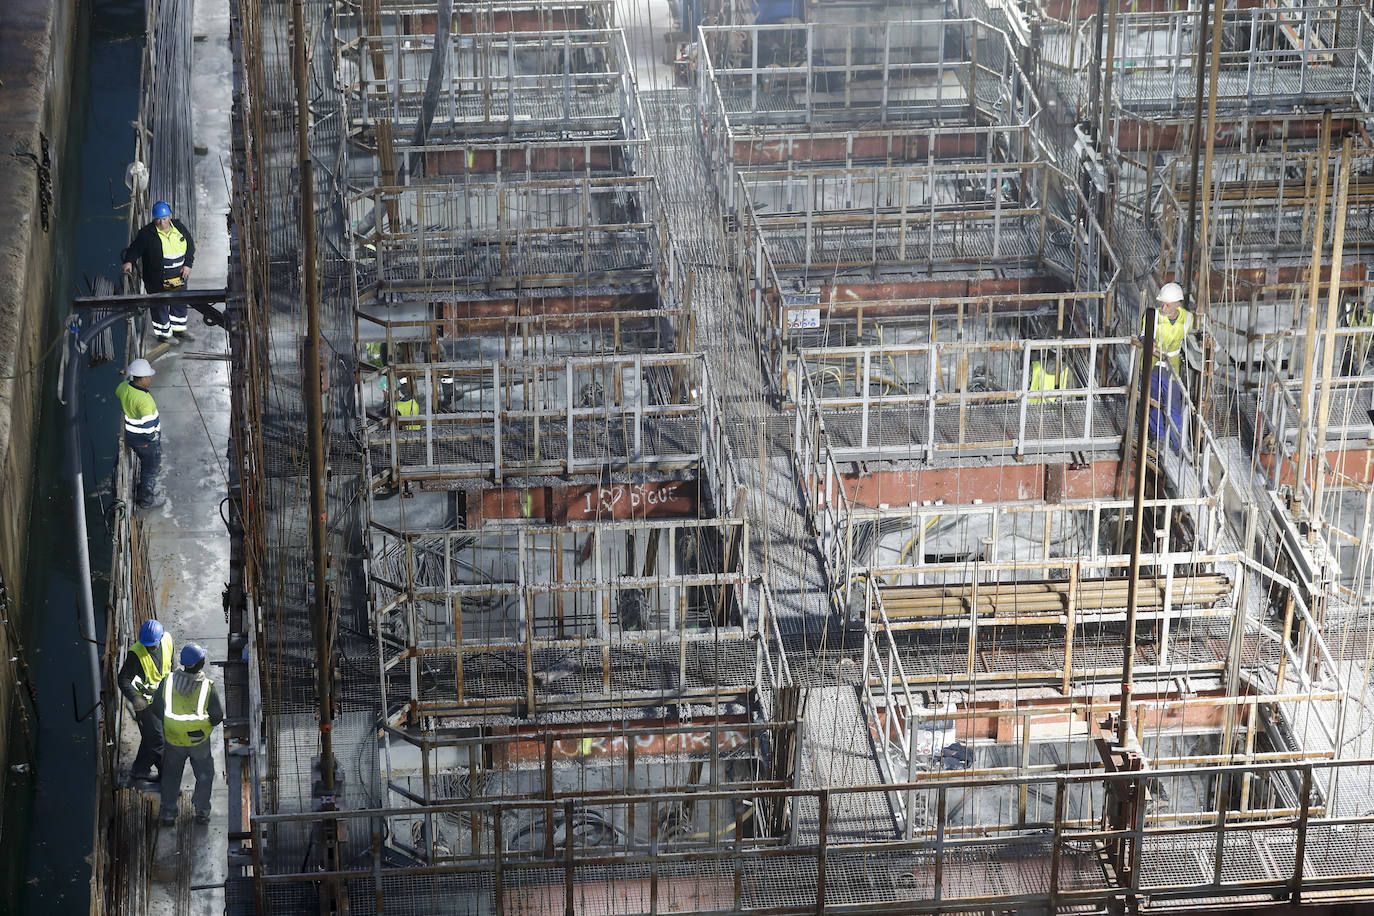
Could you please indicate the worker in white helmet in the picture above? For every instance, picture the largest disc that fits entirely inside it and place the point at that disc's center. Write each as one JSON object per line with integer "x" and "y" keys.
{"x": 1172, "y": 326}
{"x": 142, "y": 429}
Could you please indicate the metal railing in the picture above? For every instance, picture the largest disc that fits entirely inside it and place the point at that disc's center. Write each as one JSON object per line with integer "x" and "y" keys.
{"x": 541, "y": 762}
{"x": 845, "y": 321}
{"x": 1263, "y": 208}
{"x": 510, "y": 417}
{"x": 495, "y": 82}
{"x": 939, "y": 213}
{"x": 935, "y": 386}
{"x": 574, "y": 610}
{"x": 796, "y": 229}
{"x": 420, "y": 17}
{"x": 1274, "y": 59}
{"x": 465, "y": 233}
{"x": 822, "y": 91}
{"x": 546, "y": 336}
{"x": 1284, "y": 847}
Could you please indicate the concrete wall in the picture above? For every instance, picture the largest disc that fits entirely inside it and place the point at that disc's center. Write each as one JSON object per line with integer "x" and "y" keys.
{"x": 37, "y": 38}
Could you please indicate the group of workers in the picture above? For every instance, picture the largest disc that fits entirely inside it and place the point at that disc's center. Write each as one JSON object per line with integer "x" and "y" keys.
{"x": 165, "y": 251}
{"x": 176, "y": 710}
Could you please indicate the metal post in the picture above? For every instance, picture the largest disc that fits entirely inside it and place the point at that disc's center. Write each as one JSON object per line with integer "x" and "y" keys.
{"x": 1310, "y": 340}
{"x": 1300, "y": 851}
{"x": 1205, "y": 268}
{"x": 313, "y": 418}
{"x": 824, "y": 824}
{"x": 1109, "y": 60}
{"x": 1188, "y": 239}
{"x": 1124, "y": 729}
{"x": 1333, "y": 301}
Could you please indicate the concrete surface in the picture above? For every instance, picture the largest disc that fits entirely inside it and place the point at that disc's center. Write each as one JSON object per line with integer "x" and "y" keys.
{"x": 188, "y": 546}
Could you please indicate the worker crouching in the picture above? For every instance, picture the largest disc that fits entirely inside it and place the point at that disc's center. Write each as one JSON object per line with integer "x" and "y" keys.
{"x": 191, "y": 709}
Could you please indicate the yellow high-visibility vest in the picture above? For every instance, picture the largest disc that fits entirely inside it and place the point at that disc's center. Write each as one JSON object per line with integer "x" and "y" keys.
{"x": 1169, "y": 335}
{"x": 409, "y": 408}
{"x": 173, "y": 255}
{"x": 154, "y": 671}
{"x": 186, "y": 720}
{"x": 1040, "y": 380}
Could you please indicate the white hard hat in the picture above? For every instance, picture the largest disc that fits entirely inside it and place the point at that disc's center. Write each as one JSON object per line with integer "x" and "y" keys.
{"x": 140, "y": 368}
{"x": 1170, "y": 292}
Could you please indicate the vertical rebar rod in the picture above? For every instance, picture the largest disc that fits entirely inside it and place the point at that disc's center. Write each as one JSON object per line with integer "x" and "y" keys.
{"x": 1108, "y": 59}
{"x": 1142, "y": 430}
{"x": 1309, "y": 343}
{"x": 1202, "y": 291}
{"x": 1333, "y": 302}
{"x": 1196, "y": 140}
{"x": 314, "y": 408}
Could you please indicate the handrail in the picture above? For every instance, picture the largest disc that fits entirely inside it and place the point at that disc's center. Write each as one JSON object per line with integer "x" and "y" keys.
{"x": 568, "y": 863}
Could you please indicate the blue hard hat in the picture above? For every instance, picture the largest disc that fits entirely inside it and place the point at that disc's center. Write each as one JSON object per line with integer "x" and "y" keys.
{"x": 161, "y": 210}
{"x": 150, "y": 634}
{"x": 191, "y": 654}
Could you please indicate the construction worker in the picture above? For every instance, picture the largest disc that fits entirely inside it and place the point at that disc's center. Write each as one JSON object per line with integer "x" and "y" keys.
{"x": 167, "y": 251}
{"x": 406, "y": 405}
{"x": 1172, "y": 326}
{"x": 142, "y": 429}
{"x": 190, "y": 709}
{"x": 1044, "y": 374}
{"x": 146, "y": 665}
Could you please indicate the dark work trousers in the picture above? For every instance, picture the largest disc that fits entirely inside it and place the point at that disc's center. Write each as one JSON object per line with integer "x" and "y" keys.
{"x": 174, "y": 759}
{"x": 169, "y": 319}
{"x": 149, "y": 745}
{"x": 149, "y": 452}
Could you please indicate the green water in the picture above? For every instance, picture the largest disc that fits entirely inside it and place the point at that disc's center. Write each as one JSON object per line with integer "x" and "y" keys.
{"x": 50, "y": 792}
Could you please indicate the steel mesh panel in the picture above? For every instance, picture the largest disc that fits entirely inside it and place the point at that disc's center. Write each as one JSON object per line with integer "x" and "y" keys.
{"x": 501, "y": 103}
{"x": 1278, "y": 88}
{"x": 1188, "y": 861}
{"x": 1337, "y": 851}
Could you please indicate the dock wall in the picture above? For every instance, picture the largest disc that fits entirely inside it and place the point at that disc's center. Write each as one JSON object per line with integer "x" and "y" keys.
{"x": 37, "y": 41}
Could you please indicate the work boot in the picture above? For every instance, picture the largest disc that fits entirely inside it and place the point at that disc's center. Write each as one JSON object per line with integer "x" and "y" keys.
{"x": 202, "y": 817}
{"x": 183, "y": 336}
{"x": 150, "y": 502}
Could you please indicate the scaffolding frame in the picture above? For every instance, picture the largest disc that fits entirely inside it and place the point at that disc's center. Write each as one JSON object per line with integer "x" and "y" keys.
{"x": 753, "y": 119}
{"x": 1310, "y": 56}
{"x": 545, "y": 418}
{"x": 496, "y": 84}
{"x": 572, "y": 615}
{"x": 1263, "y": 208}
{"x": 940, "y": 412}
{"x": 421, "y": 16}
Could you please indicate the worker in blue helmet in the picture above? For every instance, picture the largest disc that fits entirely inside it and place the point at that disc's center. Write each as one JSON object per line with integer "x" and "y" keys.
{"x": 190, "y": 708}
{"x": 166, "y": 251}
{"x": 146, "y": 665}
